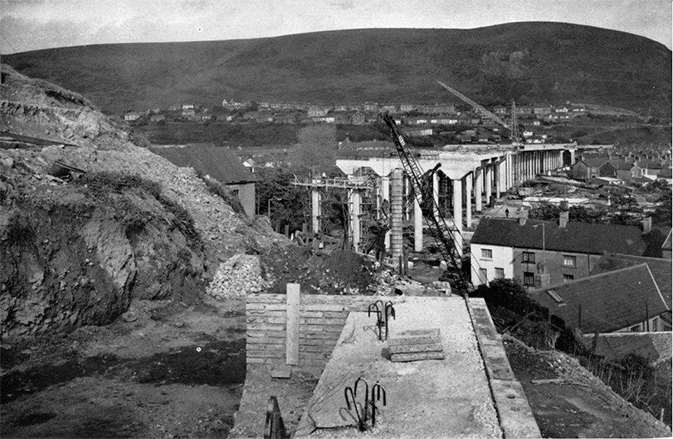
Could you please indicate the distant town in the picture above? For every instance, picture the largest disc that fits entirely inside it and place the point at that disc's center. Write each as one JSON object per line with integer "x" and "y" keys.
{"x": 418, "y": 119}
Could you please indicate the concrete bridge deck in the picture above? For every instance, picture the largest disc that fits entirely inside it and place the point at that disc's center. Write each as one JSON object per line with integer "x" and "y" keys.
{"x": 429, "y": 399}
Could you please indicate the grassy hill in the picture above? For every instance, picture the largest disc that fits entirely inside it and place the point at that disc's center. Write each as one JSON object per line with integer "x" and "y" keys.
{"x": 531, "y": 62}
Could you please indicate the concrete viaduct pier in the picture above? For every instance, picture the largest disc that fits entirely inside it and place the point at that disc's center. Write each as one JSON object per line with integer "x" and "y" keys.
{"x": 469, "y": 177}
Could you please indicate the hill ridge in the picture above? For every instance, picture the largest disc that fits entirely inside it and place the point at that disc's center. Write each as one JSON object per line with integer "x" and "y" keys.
{"x": 528, "y": 61}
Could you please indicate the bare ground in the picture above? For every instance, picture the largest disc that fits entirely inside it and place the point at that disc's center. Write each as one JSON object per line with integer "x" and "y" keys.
{"x": 176, "y": 371}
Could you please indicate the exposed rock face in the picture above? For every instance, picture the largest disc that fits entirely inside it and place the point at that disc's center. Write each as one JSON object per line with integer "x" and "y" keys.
{"x": 69, "y": 260}
{"x": 71, "y": 256}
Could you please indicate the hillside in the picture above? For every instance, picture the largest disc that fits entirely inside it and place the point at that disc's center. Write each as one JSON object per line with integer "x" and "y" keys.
{"x": 133, "y": 226}
{"x": 531, "y": 62}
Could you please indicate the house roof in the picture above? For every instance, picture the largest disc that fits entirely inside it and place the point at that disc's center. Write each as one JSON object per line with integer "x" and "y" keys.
{"x": 661, "y": 270}
{"x": 575, "y": 237}
{"x": 650, "y": 164}
{"x": 609, "y": 301}
{"x": 666, "y": 173}
{"x": 655, "y": 346}
{"x": 621, "y": 165}
{"x": 219, "y": 163}
{"x": 595, "y": 162}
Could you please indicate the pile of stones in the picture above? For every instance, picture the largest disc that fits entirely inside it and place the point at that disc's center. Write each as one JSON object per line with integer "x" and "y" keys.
{"x": 239, "y": 275}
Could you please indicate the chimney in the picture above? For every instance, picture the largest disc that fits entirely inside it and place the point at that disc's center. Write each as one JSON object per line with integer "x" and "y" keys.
{"x": 523, "y": 217}
{"x": 564, "y": 217}
{"x": 647, "y": 225}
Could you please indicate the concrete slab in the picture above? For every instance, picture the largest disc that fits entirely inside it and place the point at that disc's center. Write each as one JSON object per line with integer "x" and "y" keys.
{"x": 429, "y": 399}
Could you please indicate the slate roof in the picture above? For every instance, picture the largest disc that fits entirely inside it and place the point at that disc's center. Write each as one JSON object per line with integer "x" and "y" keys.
{"x": 610, "y": 301}
{"x": 595, "y": 162}
{"x": 576, "y": 237}
{"x": 655, "y": 346}
{"x": 661, "y": 269}
{"x": 220, "y": 163}
{"x": 621, "y": 165}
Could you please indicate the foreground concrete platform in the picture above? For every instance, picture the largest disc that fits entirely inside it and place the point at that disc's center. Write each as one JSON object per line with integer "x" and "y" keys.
{"x": 429, "y": 399}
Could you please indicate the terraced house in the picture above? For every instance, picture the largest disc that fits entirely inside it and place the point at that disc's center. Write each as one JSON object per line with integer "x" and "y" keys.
{"x": 544, "y": 253}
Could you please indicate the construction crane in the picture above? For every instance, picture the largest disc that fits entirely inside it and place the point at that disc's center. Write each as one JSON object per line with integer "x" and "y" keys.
{"x": 439, "y": 229}
{"x": 513, "y": 129}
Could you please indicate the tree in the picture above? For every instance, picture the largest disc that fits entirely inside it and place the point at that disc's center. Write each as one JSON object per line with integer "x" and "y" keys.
{"x": 316, "y": 148}
{"x": 288, "y": 203}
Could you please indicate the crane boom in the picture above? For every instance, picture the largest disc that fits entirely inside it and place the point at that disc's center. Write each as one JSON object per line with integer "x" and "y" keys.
{"x": 483, "y": 111}
{"x": 438, "y": 227}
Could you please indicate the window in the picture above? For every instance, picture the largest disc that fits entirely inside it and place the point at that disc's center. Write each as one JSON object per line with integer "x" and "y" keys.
{"x": 528, "y": 279}
{"x": 483, "y": 275}
{"x": 635, "y": 328}
{"x": 554, "y": 296}
{"x": 528, "y": 257}
{"x": 569, "y": 261}
{"x": 234, "y": 192}
{"x": 499, "y": 273}
{"x": 568, "y": 278}
{"x": 486, "y": 253}
{"x": 655, "y": 324}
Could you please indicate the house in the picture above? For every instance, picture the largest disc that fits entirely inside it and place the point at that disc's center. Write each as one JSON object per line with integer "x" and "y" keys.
{"x": 407, "y": 108}
{"x": 317, "y": 111}
{"x": 661, "y": 270}
{"x": 542, "y": 109}
{"x": 654, "y": 346}
{"x": 358, "y": 118}
{"x": 539, "y": 253}
{"x": 187, "y": 106}
{"x": 132, "y": 116}
{"x": 392, "y": 109}
{"x": 622, "y": 169}
{"x": 624, "y": 300}
{"x": 218, "y": 163}
{"x": 188, "y": 113}
{"x": 418, "y": 132}
{"x": 607, "y": 169}
{"x": 588, "y": 167}
{"x": 650, "y": 168}
{"x": 370, "y": 106}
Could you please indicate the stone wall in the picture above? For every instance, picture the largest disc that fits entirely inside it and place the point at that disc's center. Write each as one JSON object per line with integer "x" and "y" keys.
{"x": 321, "y": 320}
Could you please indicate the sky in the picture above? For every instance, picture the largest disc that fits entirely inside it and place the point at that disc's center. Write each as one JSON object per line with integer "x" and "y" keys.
{"x": 39, "y": 24}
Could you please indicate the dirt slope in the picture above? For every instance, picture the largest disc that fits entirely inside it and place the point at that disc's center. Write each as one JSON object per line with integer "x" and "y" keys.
{"x": 74, "y": 254}
{"x": 575, "y": 403}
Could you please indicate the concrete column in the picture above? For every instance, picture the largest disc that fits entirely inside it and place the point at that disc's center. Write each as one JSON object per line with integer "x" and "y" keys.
{"x": 406, "y": 206}
{"x": 355, "y": 199}
{"x": 316, "y": 209}
{"x": 396, "y": 214}
{"x": 385, "y": 195}
{"x": 488, "y": 184}
{"x": 418, "y": 227}
{"x": 478, "y": 188}
{"x": 458, "y": 215}
{"x": 435, "y": 192}
{"x": 496, "y": 178}
{"x": 468, "y": 201}
{"x": 510, "y": 170}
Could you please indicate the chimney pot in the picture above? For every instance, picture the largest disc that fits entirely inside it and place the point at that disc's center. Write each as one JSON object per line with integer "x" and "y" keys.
{"x": 523, "y": 217}
{"x": 647, "y": 225}
{"x": 563, "y": 219}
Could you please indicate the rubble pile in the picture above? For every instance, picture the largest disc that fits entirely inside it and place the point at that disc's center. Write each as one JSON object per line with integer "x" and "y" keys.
{"x": 239, "y": 275}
